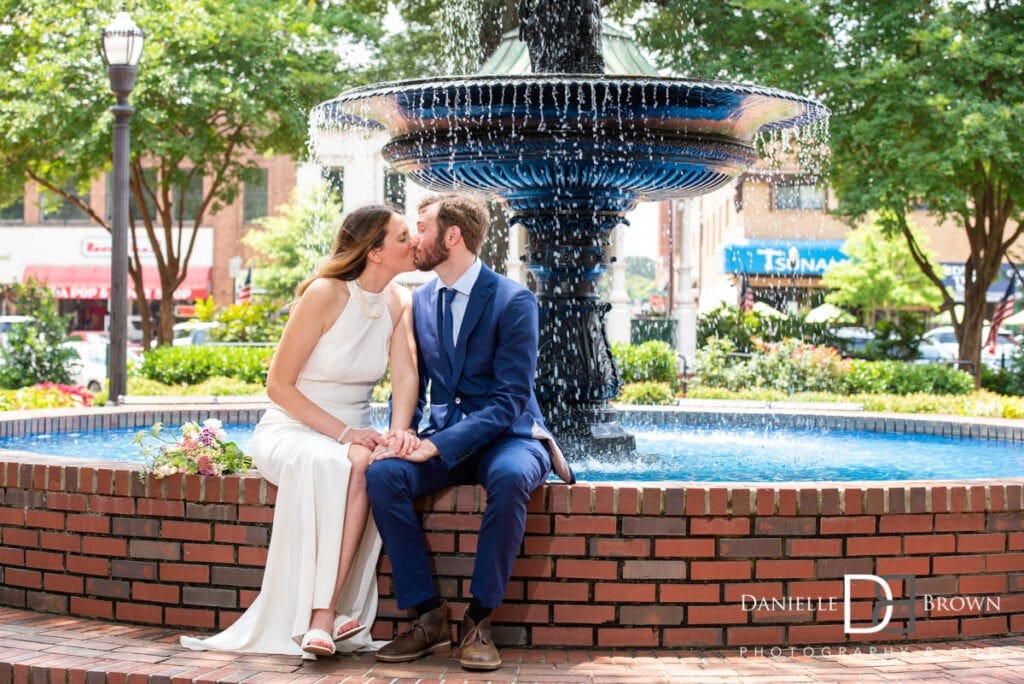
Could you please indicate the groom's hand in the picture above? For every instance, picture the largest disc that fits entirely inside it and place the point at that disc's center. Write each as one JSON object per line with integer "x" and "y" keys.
{"x": 422, "y": 453}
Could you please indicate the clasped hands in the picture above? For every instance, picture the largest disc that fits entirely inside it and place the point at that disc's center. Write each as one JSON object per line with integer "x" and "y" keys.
{"x": 402, "y": 444}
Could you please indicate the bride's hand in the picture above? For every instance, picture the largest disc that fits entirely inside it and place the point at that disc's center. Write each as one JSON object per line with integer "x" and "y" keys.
{"x": 367, "y": 437}
{"x": 402, "y": 442}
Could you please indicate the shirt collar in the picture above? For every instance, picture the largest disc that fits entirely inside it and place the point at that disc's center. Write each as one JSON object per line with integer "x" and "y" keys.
{"x": 466, "y": 281}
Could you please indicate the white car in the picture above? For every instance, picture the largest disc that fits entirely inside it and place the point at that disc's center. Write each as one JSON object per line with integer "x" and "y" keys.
{"x": 945, "y": 338}
{"x": 89, "y": 369}
{"x": 193, "y": 332}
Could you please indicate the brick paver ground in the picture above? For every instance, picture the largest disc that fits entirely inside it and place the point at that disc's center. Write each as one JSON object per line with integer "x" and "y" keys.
{"x": 44, "y": 649}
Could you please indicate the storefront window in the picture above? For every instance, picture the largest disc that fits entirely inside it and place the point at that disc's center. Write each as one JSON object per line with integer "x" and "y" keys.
{"x": 806, "y": 197}
{"x": 254, "y": 197}
{"x": 193, "y": 198}
{"x": 13, "y": 213}
{"x": 54, "y": 208}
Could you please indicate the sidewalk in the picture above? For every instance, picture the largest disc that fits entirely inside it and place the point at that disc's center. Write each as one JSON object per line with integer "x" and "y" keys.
{"x": 52, "y": 648}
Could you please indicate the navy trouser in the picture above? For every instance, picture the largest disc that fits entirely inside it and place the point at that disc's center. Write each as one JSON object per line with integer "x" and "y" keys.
{"x": 509, "y": 469}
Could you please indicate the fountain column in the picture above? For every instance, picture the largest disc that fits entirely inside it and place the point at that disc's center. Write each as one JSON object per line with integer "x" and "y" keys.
{"x": 568, "y": 251}
{"x": 619, "y": 317}
{"x": 685, "y": 309}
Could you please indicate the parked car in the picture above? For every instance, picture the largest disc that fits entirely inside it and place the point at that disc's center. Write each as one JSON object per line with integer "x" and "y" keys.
{"x": 96, "y": 336}
{"x": 1006, "y": 344}
{"x": 930, "y": 350}
{"x": 193, "y": 332}
{"x": 852, "y": 340}
{"x": 7, "y": 324}
{"x": 90, "y": 367}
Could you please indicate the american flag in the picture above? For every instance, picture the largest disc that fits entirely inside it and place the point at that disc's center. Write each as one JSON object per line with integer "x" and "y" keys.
{"x": 1004, "y": 309}
{"x": 245, "y": 290}
{"x": 746, "y": 302}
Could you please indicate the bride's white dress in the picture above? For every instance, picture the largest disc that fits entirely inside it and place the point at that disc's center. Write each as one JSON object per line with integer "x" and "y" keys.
{"x": 311, "y": 472}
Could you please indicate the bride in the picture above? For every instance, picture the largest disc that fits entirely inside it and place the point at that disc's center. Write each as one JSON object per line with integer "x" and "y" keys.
{"x": 319, "y": 587}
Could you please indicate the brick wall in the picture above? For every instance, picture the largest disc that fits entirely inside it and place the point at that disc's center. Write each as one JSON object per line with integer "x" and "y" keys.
{"x": 602, "y": 564}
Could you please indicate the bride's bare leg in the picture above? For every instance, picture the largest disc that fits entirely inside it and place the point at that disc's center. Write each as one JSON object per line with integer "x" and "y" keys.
{"x": 357, "y": 512}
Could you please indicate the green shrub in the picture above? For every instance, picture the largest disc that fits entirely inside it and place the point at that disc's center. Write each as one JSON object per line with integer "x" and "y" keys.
{"x": 1008, "y": 380}
{"x": 647, "y": 393}
{"x": 45, "y": 395}
{"x": 248, "y": 322}
{"x": 652, "y": 361}
{"x": 746, "y": 328}
{"x": 898, "y": 377}
{"x": 789, "y": 366}
{"x": 192, "y": 364}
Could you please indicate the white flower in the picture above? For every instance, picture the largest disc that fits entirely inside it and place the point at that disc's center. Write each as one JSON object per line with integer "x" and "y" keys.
{"x": 216, "y": 427}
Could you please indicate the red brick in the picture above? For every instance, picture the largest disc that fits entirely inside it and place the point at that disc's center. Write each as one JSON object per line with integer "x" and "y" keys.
{"x": 188, "y": 574}
{"x": 555, "y": 546}
{"x": 690, "y": 593}
{"x": 785, "y": 526}
{"x": 571, "y": 614}
{"x": 93, "y": 608}
{"x": 720, "y": 527}
{"x": 155, "y": 593}
{"x": 755, "y": 636}
{"x": 208, "y": 553}
{"x": 59, "y": 541}
{"x": 88, "y": 565}
{"x": 684, "y": 548}
{"x": 734, "y": 591}
{"x": 873, "y": 546}
{"x": 736, "y": 570}
{"x": 717, "y": 615}
{"x": 189, "y": 617}
{"x": 191, "y": 531}
{"x": 696, "y": 502}
{"x": 694, "y": 637}
{"x": 765, "y": 502}
{"x": 957, "y": 565}
{"x": 718, "y": 501}
{"x": 12, "y": 516}
{"x": 929, "y": 544}
{"x": 906, "y": 565}
{"x": 984, "y": 626}
{"x": 645, "y": 569}
{"x": 814, "y": 547}
{"x": 562, "y": 636}
{"x": 105, "y": 546}
{"x": 975, "y": 543}
{"x": 785, "y": 569}
{"x": 250, "y": 556}
{"x": 862, "y": 524}
{"x": 904, "y": 523}
{"x": 564, "y": 591}
{"x": 14, "y": 536}
{"x": 533, "y": 567}
{"x": 621, "y": 592}
{"x": 67, "y": 584}
{"x": 585, "y": 524}
{"x": 936, "y": 629}
{"x": 95, "y": 524}
{"x": 136, "y": 612}
{"x": 816, "y": 634}
{"x": 787, "y": 502}
{"x": 1004, "y": 562}
{"x": 120, "y": 505}
{"x": 983, "y": 584}
{"x": 19, "y": 577}
{"x": 588, "y": 569}
{"x": 604, "y": 499}
{"x": 62, "y": 501}
{"x": 960, "y": 522}
{"x": 44, "y": 560}
{"x": 629, "y": 548}
{"x": 651, "y": 502}
{"x": 626, "y": 638}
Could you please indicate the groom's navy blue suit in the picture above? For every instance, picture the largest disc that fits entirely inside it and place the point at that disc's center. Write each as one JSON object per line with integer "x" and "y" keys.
{"x": 487, "y": 427}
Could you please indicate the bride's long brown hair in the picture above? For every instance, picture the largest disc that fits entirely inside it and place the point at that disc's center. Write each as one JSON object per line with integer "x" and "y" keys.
{"x": 361, "y": 230}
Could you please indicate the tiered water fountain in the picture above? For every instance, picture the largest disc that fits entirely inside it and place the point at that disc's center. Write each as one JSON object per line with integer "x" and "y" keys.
{"x": 570, "y": 151}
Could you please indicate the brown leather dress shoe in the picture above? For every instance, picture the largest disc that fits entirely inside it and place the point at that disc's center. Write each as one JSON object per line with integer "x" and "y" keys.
{"x": 476, "y": 647}
{"x": 427, "y": 634}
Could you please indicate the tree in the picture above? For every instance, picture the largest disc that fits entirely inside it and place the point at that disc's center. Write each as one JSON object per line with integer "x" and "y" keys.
{"x": 880, "y": 276}
{"x": 927, "y": 102}
{"x": 219, "y": 85}
{"x": 292, "y": 244}
{"x": 34, "y": 351}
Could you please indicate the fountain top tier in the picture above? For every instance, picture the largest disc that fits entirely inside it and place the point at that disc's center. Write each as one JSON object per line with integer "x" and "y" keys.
{"x": 607, "y": 140}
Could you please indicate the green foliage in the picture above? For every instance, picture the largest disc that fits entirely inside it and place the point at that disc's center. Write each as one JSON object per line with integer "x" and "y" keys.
{"x": 641, "y": 266}
{"x": 33, "y": 352}
{"x": 206, "y": 309}
{"x": 293, "y": 243}
{"x": 745, "y": 329}
{"x": 248, "y": 322}
{"x": 192, "y": 364}
{"x": 652, "y": 361}
{"x": 1008, "y": 380}
{"x": 880, "y": 276}
{"x": 219, "y": 85}
{"x": 897, "y": 377}
{"x": 213, "y": 386}
{"x": 647, "y": 394}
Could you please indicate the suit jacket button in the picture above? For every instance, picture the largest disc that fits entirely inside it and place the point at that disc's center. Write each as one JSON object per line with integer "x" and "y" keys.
{"x": 458, "y": 400}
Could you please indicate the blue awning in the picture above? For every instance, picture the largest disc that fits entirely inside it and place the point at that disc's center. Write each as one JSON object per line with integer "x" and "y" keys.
{"x": 772, "y": 257}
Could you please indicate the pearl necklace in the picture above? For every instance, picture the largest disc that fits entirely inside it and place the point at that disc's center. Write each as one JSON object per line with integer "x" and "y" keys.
{"x": 370, "y": 309}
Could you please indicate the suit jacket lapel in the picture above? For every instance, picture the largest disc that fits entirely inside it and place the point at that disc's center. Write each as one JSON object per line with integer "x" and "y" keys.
{"x": 483, "y": 291}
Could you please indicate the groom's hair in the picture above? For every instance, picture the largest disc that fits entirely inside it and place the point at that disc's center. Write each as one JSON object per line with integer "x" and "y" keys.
{"x": 468, "y": 212}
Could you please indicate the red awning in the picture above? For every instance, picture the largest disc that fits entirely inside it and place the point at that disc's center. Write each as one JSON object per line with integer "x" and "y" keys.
{"x": 93, "y": 282}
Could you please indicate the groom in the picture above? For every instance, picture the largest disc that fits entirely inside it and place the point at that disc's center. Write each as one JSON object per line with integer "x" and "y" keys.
{"x": 476, "y": 335}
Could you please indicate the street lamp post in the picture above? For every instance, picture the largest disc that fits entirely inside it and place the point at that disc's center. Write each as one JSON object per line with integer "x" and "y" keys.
{"x": 793, "y": 260}
{"x": 122, "y": 48}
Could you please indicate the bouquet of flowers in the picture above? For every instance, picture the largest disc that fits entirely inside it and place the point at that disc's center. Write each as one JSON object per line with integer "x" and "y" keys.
{"x": 201, "y": 449}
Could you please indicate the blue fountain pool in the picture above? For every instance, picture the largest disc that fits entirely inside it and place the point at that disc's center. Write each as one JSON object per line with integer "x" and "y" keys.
{"x": 699, "y": 454}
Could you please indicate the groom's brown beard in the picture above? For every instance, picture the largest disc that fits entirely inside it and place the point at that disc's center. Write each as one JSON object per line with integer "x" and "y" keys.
{"x": 427, "y": 256}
